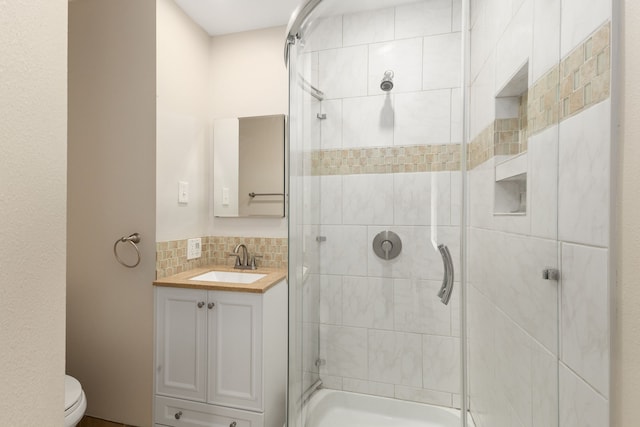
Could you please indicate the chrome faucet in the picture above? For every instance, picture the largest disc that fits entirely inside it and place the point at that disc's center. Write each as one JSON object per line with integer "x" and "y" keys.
{"x": 243, "y": 260}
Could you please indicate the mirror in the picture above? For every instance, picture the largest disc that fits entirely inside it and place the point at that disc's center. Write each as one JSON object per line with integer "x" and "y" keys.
{"x": 248, "y": 166}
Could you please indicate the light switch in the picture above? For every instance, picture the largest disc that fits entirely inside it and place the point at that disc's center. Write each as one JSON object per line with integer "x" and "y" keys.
{"x": 225, "y": 196}
{"x": 194, "y": 248}
{"x": 183, "y": 192}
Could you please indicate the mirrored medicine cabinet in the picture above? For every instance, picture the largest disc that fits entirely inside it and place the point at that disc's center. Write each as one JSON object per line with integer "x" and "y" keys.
{"x": 248, "y": 166}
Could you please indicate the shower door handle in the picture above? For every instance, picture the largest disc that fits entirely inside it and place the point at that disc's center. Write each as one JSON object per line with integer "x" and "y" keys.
{"x": 447, "y": 282}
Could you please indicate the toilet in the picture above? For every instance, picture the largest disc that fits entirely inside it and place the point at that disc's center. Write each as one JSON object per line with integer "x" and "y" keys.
{"x": 75, "y": 402}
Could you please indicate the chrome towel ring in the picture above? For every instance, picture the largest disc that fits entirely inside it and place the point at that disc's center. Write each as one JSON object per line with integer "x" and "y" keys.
{"x": 132, "y": 239}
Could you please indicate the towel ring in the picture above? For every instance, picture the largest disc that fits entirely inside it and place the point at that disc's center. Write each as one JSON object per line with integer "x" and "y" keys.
{"x": 132, "y": 239}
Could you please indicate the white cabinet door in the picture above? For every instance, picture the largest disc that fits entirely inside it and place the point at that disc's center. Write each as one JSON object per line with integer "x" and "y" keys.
{"x": 181, "y": 334}
{"x": 235, "y": 350}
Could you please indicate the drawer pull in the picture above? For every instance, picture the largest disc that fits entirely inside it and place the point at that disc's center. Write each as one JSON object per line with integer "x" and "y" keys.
{"x": 211, "y": 305}
{"x": 201, "y": 304}
{"x": 233, "y": 424}
{"x": 178, "y": 415}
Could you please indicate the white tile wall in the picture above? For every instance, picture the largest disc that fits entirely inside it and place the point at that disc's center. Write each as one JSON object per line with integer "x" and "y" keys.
{"x": 516, "y": 319}
{"x": 395, "y": 357}
{"x": 343, "y": 72}
{"x": 416, "y": 309}
{"x": 345, "y": 351}
{"x": 584, "y": 176}
{"x": 367, "y": 199}
{"x": 514, "y": 47}
{"x": 403, "y": 57}
{"x": 331, "y": 127}
{"x": 542, "y": 183}
{"x": 546, "y": 35}
{"x": 579, "y": 21}
{"x": 368, "y": 27}
{"x": 423, "y": 118}
{"x": 585, "y": 314}
{"x": 423, "y": 19}
{"x": 331, "y": 299}
{"x": 330, "y": 210}
{"x": 326, "y": 33}
{"x": 344, "y": 251}
{"x": 367, "y": 302}
{"x": 368, "y": 122}
{"x": 422, "y": 198}
{"x": 441, "y": 369}
{"x": 580, "y": 405}
{"x": 442, "y": 62}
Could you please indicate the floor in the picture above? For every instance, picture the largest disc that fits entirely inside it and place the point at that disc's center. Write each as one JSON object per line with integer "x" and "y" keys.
{"x": 97, "y": 422}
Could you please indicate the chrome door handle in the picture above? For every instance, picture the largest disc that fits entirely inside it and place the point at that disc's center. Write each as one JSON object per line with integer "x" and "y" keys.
{"x": 447, "y": 282}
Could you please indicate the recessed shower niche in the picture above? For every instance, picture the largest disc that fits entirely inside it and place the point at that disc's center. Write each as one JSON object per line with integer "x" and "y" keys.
{"x": 510, "y": 145}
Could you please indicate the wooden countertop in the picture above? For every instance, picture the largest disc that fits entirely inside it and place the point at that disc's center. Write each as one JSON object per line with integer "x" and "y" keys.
{"x": 182, "y": 280}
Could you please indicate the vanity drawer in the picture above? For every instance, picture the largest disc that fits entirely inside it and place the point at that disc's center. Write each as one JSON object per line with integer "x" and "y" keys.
{"x": 184, "y": 413}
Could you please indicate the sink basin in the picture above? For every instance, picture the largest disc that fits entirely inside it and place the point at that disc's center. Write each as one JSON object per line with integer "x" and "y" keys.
{"x": 229, "y": 277}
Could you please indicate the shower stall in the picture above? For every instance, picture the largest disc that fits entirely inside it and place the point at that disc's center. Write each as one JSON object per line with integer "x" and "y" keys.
{"x": 449, "y": 213}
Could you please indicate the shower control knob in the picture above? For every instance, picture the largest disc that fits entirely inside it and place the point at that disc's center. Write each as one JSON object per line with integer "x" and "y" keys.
{"x": 387, "y": 245}
{"x": 178, "y": 415}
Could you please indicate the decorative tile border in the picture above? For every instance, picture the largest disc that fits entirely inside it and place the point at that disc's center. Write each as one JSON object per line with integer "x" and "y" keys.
{"x": 543, "y": 105}
{"x": 411, "y": 158}
{"x": 274, "y": 250}
{"x": 171, "y": 257}
{"x": 586, "y": 73}
{"x": 582, "y": 79}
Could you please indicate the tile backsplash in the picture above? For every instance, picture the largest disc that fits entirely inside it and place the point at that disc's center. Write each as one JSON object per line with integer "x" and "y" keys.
{"x": 171, "y": 257}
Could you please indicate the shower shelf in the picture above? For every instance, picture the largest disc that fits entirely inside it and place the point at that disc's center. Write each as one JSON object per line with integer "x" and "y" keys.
{"x": 511, "y": 186}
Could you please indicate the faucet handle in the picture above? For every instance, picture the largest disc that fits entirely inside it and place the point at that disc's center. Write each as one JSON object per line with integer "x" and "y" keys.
{"x": 253, "y": 261}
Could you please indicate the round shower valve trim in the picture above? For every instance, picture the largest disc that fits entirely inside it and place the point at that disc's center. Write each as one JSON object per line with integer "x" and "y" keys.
{"x": 387, "y": 245}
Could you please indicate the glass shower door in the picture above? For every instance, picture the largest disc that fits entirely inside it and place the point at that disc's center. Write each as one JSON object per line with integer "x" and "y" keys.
{"x": 376, "y": 143}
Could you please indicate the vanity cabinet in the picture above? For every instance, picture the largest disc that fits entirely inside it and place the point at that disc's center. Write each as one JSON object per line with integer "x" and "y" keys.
{"x": 221, "y": 357}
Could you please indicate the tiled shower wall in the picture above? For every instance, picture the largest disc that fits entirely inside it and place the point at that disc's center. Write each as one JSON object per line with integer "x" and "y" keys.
{"x": 538, "y": 349}
{"x": 384, "y": 161}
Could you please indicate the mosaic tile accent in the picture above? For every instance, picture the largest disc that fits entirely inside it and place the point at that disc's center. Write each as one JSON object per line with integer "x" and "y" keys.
{"x": 412, "y": 158}
{"x": 543, "y": 105}
{"x": 481, "y": 148}
{"x": 274, "y": 250}
{"x": 171, "y": 257}
{"x": 582, "y": 79}
{"x": 586, "y": 74}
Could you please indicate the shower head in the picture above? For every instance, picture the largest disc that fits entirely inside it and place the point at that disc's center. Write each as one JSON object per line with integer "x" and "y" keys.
{"x": 387, "y": 81}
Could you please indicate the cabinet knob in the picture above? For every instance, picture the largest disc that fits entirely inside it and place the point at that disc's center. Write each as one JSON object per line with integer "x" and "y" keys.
{"x": 211, "y": 305}
{"x": 178, "y": 415}
{"x": 201, "y": 304}
{"x": 233, "y": 424}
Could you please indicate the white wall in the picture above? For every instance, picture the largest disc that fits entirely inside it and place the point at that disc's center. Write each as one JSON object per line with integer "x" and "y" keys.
{"x": 111, "y": 193}
{"x": 248, "y": 78}
{"x": 33, "y": 103}
{"x": 626, "y": 384}
{"x": 183, "y": 124}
